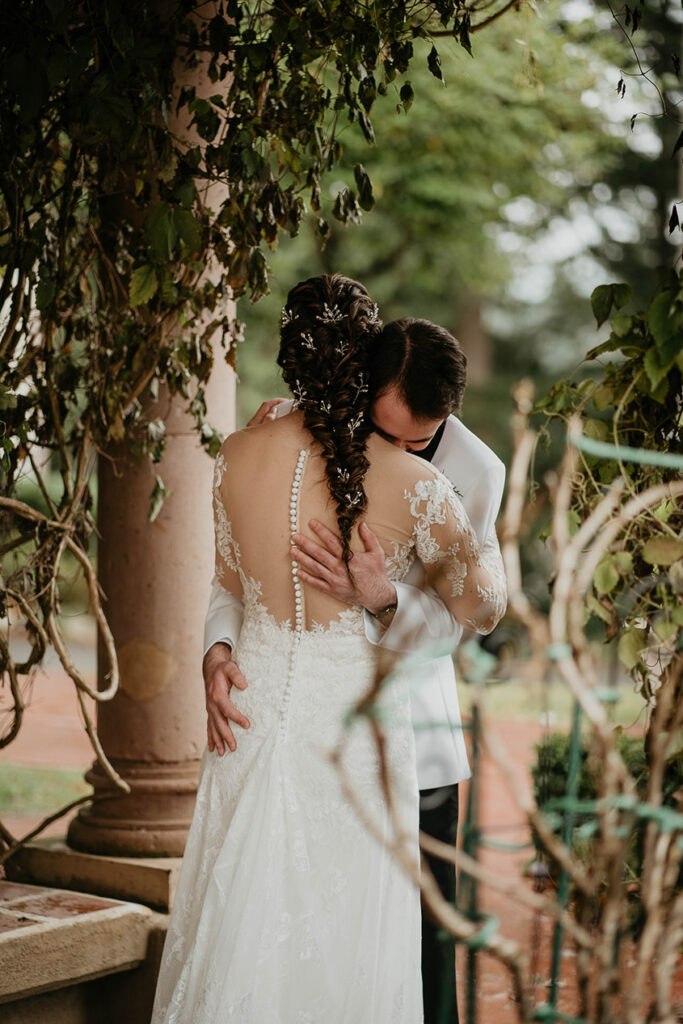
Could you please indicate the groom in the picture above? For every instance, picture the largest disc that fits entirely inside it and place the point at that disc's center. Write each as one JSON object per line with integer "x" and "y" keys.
{"x": 417, "y": 382}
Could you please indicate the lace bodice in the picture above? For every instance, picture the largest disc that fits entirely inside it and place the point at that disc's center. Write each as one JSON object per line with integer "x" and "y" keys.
{"x": 270, "y": 482}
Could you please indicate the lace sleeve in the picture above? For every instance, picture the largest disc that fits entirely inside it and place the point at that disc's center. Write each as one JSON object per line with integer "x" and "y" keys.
{"x": 227, "y": 551}
{"x": 469, "y": 579}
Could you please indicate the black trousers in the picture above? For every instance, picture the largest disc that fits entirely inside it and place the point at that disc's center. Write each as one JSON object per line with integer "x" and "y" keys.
{"x": 439, "y": 818}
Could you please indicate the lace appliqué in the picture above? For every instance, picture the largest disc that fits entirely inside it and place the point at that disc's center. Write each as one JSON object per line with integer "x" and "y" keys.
{"x": 494, "y": 596}
{"x": 437, "y": 497}
{"x": 226, "y": 546}
{"x": 398, "y": 564}
{"x": 434, "y": 503}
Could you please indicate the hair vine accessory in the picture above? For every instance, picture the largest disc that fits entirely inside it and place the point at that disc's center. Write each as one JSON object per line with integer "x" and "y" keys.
{"x": 299, "y": 392}
{"x": 360, "y": 384}
{"x": 354, "y": 423}
{"x": 307, "y": 341}
{"x": 330, "y": 315}
{"x": 287, "y": 317}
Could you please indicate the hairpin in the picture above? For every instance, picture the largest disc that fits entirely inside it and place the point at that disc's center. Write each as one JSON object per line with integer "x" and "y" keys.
{"x": 354, "y": 423}
{"x": 343, "y": 474}
{"x": 325, "y": 408}
{"x": 342, "y": 348}
{"x": 330, "y": 316}
{"x": 307, "y": 341}
{"x": 360, "y": 385}
{"x": 287, "y": 317}
{"x": 354, "y": 499}
{"x": 373, "y": 318}
{"x": 299, "y": 392}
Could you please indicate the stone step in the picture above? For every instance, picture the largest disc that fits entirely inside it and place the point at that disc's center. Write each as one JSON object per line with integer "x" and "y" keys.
{"x": 50, "y": 938}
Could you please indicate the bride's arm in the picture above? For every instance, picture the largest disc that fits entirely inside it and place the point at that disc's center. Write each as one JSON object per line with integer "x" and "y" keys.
{"x": 221, "y": 629}
{"x": 469, "y": 579}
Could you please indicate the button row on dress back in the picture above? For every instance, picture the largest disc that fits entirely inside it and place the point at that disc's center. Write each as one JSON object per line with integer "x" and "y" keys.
{"x": 298, "y": 595}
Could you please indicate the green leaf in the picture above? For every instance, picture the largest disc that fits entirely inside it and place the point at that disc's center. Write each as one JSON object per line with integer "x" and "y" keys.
{"x": 188, "y": 229}
{"x": 434, "y": 64}
{"x": 662, "y": 550}
{"x": 601, "y": 302}
{"x": 631, "y": 644}
{"x": 665, "y": 628}
{"x": 159, "y": 495}
{"x": 623, "y": 560}
{"x": 161, "y": 231}
{"x": 621, "y": 294}
{"x": 365, "y": 197}
{"x": 597, "y": 609}
{"x": 606, "y": 576}
{"x": 654, "y": 368}
{"x": 143, "y": 285}
{"x": 603, "y": 397}
{"x": 45, "y": 292}
{"x": 596, "y": 429}
{"x": 406, "y": 95}
{"x": 659, "y": 318}
{"x": 664, "y": 510}
{"x": 621, "y": 324}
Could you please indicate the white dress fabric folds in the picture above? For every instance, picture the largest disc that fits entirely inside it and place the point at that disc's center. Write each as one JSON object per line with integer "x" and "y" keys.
{"x": 288, "y": 911}
{"x": 291, "y": 907}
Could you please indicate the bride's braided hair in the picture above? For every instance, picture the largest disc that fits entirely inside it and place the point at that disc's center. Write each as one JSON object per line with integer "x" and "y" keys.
{"x": 326, "y": 333}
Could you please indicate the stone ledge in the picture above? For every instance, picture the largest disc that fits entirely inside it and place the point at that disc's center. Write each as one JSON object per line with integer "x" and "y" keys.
{"x": 148, "y": 880}
{"x": 52, "y": 938}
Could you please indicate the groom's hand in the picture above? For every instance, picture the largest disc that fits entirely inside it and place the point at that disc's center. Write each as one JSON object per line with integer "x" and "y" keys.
{"x": 321, "y": 566}
{"x": 220, "y": 675}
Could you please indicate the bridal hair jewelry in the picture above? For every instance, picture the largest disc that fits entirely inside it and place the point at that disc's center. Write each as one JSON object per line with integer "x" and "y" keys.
{"x": 325, "y": 408}
{"x": 373, "y": 318}
{"x": 342, "y": 348}
{"x": 343, "y": 474}
{"x": 330, "y": 314}
{"x": 287, "y": 317}
{"x": 354, "y": 499}
{"x": 354, "y": 423}
{"x": 360, "y": 385}
{"x": 307, "y": 341}
{"x": 299, "y": 392}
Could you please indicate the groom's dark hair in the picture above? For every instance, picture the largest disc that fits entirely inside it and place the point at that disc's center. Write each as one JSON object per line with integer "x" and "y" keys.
{"x": 423, "y": 363}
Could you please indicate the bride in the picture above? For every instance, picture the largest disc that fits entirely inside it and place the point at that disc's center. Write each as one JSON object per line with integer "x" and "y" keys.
{"x": 289, "y": 910}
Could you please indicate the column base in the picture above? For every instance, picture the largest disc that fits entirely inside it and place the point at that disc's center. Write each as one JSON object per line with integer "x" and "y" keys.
{"x": 151, "y": 881}
{"x": 152, "y": 820}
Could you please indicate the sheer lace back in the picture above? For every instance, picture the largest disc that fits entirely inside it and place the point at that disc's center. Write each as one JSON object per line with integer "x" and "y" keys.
{"x": 270, "y": 482}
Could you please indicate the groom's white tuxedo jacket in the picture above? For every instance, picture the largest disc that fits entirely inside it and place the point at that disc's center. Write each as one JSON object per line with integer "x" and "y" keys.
{"x": 421, "y": 618}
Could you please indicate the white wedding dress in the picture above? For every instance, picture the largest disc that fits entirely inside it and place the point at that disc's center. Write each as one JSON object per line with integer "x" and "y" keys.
{"x": 289, "y": 908}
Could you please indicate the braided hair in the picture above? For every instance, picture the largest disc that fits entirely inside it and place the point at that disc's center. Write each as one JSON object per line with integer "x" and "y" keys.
{"x": 326, "y": 332}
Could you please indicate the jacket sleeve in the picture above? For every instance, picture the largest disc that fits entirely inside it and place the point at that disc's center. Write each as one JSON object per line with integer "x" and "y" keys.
{"x": 223, "y": 617}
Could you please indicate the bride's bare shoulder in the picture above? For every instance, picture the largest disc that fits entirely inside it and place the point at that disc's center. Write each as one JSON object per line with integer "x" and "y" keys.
{"x": 249, "y": 441}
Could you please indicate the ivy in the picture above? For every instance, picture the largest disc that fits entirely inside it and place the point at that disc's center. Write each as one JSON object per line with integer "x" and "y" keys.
{"x": 151, "y": 159}
{"x": 633, "y": 398}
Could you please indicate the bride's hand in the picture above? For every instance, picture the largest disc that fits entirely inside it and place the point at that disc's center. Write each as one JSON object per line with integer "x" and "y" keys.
{"x": 266, "y": 411}
{"x": 220, "y": 675}
{"x": 321, "y": 566}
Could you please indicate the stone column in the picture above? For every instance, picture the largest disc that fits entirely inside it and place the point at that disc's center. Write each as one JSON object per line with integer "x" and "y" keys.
{"x": 155, "y": 577}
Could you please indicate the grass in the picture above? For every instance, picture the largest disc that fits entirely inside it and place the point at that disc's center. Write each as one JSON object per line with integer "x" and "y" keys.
{"x": 27, "y": 790}
{"x": 550, "y": 703}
